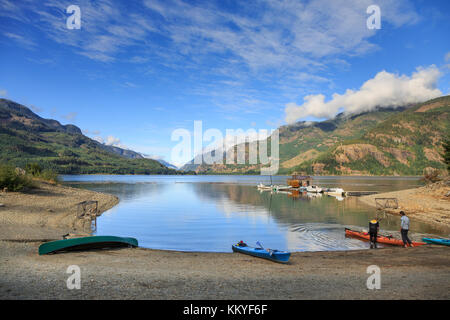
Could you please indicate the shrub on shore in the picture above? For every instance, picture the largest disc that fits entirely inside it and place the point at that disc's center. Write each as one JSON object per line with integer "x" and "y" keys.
{"x": 49, "y": 175}
{"x": 13, "y": 179}
{"x": 37, "y": 172}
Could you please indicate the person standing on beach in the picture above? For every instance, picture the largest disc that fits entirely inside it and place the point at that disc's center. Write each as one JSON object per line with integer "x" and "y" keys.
{"x": 374, "y": 226}
{"x": 404, "y": 229}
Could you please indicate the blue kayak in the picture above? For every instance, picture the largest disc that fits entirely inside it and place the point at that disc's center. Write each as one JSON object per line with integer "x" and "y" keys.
{"x": 274, "y": 255}
{"x": 445, "y": 242}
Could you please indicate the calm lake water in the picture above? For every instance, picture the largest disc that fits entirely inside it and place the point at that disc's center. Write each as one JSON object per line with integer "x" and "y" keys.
{"x": 210, "y": 213}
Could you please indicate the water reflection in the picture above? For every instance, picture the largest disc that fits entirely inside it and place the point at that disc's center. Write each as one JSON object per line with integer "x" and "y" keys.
{"x": 209, "y": 214}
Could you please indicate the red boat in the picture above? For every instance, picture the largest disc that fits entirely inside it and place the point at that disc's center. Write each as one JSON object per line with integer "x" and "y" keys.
{"x": 380, "y": 239}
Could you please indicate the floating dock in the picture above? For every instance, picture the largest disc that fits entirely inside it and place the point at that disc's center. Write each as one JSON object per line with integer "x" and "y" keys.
{"x": 360, "y": 193}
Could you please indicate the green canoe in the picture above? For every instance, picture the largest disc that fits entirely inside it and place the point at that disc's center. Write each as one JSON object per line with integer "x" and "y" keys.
{"x": 86, "y": 243}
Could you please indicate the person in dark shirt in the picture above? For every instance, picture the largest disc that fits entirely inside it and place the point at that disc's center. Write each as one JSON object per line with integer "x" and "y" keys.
{"x": 374, "y": 225}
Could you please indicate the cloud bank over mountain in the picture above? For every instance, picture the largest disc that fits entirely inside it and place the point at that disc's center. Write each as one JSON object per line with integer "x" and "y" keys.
{"x": 384, "y": 90}
{"x": 111, "y": 141}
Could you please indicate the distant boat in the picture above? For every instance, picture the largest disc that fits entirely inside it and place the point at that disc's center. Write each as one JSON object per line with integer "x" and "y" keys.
{"x": 336, "y": 192}
{"x": 282, "y": 188}
{"x": 313, "y": 195}
{"x": 265, "y": 186}
{"x": 298, "y": 181}
{"x": 86, "y": 243}
{"x": 314, "y": 189}
{"x": 273, "y": 255}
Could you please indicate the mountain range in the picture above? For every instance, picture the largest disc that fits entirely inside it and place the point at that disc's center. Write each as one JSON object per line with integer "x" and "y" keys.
{"x": 385, "y": 141}
{"x": 26, "y": 138}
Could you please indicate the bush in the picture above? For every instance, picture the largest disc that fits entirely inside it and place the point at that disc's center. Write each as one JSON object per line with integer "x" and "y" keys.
{"x": 13, "y": 180}
{"x": 49, "y": 175}
{"x": 33, "y": 168}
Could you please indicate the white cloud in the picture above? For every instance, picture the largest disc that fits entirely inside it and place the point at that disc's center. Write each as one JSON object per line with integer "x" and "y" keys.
{"x": 285, "y": 43}
{"x": 93, "y": 132}
{"x": 26, "y": 42}
{"x": 384, "y": 90}
{"x": 36, "y": 109}
{"x": 115, "y": 142}
{"x": 263, "y": 34}
{"x": 128, "y": 84}
{"x": 71, "y": 116}
{"x": 111, "y": 141}
{"x": 3, "y": 93}
{"x": 447, "y": 57}
{"x": 99, "y": 139}
{"x": 153, "y": 156}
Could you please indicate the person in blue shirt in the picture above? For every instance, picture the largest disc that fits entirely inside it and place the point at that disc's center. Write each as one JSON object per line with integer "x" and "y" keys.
{"x": 404, "y": 220}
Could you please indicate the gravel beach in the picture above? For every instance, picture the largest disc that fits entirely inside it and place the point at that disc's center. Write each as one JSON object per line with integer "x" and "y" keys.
{"x": 28, "y": 220}
{"x": 47, "y": 212}
{"x": 406, "y": 273}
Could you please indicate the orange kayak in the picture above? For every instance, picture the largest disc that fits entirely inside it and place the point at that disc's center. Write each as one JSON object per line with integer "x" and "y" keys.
{"x": 380, "y": 238}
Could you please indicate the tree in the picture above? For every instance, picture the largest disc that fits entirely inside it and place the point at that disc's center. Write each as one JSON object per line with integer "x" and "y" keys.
{"x": 447, "y": 153}
{"x": 33, "y": 168}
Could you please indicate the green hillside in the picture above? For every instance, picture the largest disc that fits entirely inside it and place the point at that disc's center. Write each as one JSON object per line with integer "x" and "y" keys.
{"x": 401, "y": 141}
{"x": 403, "y": 144}
{"x": 27, "y": 138}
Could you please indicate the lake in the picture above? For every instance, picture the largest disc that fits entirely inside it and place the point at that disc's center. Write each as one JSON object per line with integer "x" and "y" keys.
{"x": 210, "y": 213}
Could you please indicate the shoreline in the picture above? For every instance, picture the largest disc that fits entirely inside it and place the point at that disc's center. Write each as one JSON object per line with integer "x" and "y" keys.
{"x": 48, "y": 212}
{"x": 406, "y": 273}
{"x": 141, "y": 273}
{"x": 429, "y": 204}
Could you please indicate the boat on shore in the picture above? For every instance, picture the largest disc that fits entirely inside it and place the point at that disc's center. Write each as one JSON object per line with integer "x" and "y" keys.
{"x": 269, "y": 254}
{"x": 444, "y": 242}
{"x": 380, "y": 238}
{"x": 86, "y": 243}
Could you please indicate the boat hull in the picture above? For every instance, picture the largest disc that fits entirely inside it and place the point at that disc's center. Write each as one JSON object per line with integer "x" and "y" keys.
{"x": 444, "y": 242}
{"x": 276, "y": 256}
{"x": 380, "y": 239}
{"x": 86, "y": 243}
{"x": 314, "y": 189}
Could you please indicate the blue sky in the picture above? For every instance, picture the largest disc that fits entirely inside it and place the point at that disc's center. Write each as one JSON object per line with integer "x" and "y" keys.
{"x": 137, "y": 70}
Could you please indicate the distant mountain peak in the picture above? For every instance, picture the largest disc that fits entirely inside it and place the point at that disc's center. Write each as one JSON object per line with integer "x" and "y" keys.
{"x": 19, "y": 115}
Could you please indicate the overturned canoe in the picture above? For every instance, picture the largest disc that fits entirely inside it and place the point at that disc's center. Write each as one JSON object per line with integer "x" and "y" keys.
{"x": 380, "y": 239}
{"x": 445, "y": 242}
{"x": 87, "y": 243}
{"x": 274, "y": 255}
